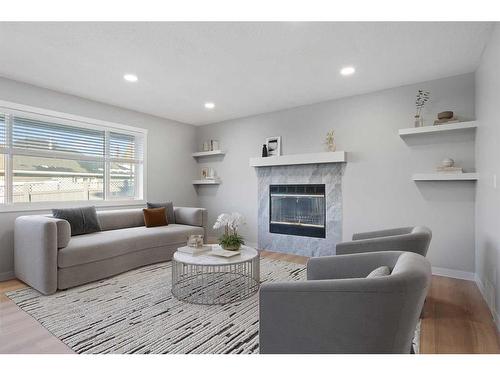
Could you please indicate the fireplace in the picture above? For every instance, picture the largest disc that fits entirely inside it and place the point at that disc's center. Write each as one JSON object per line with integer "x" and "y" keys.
{"x": 297, "y": 210}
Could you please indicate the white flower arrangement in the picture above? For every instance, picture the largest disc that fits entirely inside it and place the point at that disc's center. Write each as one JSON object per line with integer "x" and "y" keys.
{"x": 230, "y": 240}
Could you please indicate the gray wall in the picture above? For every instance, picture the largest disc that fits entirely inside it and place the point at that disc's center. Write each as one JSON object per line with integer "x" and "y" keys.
{"x": 377, "y": 188}
{"x": 170, "y": 165}
{"x": 488, "y": 157}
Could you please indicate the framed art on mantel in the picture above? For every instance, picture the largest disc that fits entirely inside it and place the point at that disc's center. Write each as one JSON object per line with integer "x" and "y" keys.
{"x": 273, "y": 146}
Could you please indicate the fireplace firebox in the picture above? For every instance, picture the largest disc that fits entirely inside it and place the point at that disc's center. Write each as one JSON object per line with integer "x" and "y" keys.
{"x": 298, "y": 210}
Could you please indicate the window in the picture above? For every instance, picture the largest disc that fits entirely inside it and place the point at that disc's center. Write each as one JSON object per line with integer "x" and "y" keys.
{"x": 49, "y": 159}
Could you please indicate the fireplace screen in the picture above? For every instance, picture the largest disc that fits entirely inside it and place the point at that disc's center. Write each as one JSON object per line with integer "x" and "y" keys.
{"x": 297, "y": 210}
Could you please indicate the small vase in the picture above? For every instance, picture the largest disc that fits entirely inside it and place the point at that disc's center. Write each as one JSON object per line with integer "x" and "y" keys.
{"x": 264, "y": 151}
{"x": 419, "y": 121}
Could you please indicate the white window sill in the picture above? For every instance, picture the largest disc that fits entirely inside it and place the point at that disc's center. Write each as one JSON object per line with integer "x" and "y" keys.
{"x": 47, "y": 206}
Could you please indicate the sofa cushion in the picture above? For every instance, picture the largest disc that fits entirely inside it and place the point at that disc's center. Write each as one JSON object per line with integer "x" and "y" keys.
{"x": 154, "y": 217}
{"x": 118, "y": 219}
{"x": 107, "y": 244}
{"x": 169, "y": 208}
{"x": 82, "y": 220}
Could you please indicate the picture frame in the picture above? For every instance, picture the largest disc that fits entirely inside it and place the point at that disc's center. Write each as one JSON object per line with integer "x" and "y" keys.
{"x": 273, "y": 145}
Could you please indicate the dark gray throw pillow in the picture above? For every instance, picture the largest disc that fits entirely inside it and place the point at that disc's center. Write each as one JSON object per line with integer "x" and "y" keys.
{"x": 169, "y": 210}
{"x": 82, "y": 220}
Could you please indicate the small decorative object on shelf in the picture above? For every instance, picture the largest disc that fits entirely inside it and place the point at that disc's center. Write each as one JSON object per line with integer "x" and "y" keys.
{"x": 214, "y": 145}
{"x": 211, "y": 145}
{"x": 448, "y": 166}
{"x": 208, "y": 173}
{"x": 422, "y": 98}
{"x": 445, "y": 117}
{"x": 273, "y": 146}
{"x": 330, "y": 141}
{"x": 264, "y": 151}
{"x": 230, "y": 240}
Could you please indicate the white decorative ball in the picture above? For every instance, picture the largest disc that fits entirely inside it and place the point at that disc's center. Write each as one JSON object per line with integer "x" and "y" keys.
{"x": 448, "y": 162}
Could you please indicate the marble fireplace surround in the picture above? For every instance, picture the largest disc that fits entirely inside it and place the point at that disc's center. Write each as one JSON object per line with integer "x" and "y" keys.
{"x": 329, "y": 174}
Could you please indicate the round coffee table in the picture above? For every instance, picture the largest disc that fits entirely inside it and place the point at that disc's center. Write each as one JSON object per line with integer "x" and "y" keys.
{"x": 214, "y": 280}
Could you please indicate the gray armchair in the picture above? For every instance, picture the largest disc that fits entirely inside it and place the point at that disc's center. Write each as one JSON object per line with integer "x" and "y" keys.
{"x": 339, "y": 310}
{"x": 412, "y": 239}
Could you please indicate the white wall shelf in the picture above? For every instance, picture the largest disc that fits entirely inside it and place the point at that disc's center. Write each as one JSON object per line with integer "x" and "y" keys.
{"x": 206, "y": 182}
{"x": 298, "y": 159}
{"x": 207, "y": 153}
{"x": 466, "y": 125}
{"x": 445, "y": 177}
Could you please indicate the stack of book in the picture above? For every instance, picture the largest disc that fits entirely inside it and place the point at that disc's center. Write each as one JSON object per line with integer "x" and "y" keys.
{"x": 449, "y": 169}
{"x": 194, "y": 250}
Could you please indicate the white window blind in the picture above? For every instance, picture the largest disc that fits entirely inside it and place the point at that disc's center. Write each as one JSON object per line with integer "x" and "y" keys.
{"x": 2, "y": 131}
{"x": 44, "y": 158}
{"x": 28, "y": 134}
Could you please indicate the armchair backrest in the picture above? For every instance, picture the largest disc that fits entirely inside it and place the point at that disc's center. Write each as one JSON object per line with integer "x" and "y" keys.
{"x": 412, "y": 239}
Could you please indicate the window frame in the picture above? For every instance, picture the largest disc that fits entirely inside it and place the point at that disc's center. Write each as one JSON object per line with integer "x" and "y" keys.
{"x": 10, "y": 109}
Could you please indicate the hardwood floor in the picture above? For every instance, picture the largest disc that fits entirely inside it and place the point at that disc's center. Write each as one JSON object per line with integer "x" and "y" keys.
{"x": 455, "y": 320}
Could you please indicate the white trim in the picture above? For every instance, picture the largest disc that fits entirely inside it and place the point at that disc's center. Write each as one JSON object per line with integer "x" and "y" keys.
{"x": 495, "y": 314}
{"x": 9, "y": 275}
{"x": 47, "y": 206}
{"x": 298, "y": 159}
{"x": 455, "y": 274}
{"x": 16, "y": 108}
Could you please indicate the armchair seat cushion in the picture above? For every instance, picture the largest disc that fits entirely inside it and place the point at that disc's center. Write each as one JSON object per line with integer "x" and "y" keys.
{"x": 108, "y": 244}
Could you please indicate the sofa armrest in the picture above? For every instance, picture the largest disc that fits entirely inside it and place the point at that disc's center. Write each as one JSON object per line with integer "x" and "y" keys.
{"x": 197, "y": 217}
{"x": 35, "y": 251}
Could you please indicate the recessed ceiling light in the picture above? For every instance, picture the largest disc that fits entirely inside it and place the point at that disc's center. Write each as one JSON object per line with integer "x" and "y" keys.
{"x": 347, "y": 70}
{"x": 130, "y": 78}
{"x": 209, "y": 105}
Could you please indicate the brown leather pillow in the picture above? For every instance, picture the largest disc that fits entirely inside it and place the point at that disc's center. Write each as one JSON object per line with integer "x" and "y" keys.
{"x": 154, "y": 217}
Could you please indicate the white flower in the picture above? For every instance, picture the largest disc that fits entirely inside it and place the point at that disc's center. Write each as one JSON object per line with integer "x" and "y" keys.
{"x": 222, "y": 221}
{"x": 236, "y": 219}
{"x": 232, "y": 221}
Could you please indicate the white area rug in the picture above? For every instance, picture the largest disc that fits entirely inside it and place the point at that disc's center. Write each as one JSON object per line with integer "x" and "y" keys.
{"x": 135, "y": 312}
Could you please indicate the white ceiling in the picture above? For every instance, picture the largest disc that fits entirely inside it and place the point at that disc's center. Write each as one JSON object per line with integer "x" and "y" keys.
{"x": 244, "y": 68}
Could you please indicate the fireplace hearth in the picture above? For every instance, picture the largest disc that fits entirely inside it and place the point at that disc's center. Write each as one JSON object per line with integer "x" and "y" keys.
{"x": 298, "y": 210}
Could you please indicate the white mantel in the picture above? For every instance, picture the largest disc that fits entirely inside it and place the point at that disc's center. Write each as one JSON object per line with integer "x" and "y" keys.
{"x": 298, "y": 159}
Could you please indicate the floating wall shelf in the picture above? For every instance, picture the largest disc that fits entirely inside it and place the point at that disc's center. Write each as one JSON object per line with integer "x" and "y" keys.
{"x": 445, "y": 177}
{"x": 206, "y": 182}
{"x": 298, "y": 159}
{"x": 467, "y": 125}
{"x": 207, "y": 153}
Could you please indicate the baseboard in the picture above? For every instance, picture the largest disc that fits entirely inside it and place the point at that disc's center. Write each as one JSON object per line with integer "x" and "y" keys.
{"x": 455, "y": 274}
{"x": 7, "y": 276}
{"x": 494, "y": 313}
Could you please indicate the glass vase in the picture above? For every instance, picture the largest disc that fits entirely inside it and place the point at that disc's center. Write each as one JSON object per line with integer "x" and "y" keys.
{"x": 419, "y": 121}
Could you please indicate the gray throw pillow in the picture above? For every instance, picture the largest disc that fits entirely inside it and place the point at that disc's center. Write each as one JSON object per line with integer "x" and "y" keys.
{"x": 379, "y": 272}
{"x": 82, "y": 220}
{"x": 169, "y": 210}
